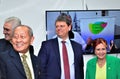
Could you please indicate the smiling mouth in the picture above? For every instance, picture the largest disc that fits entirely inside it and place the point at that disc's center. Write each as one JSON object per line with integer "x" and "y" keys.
{"x": 18, "y": 45}
{"x": 101, "y": 54}
{"x": 6, "y": 35}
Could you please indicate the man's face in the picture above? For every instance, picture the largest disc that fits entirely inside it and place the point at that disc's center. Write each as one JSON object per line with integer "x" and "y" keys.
{"x": 21, "y": 39}
{"x": 7, "y": 30}
{"x": 62, "y": 29}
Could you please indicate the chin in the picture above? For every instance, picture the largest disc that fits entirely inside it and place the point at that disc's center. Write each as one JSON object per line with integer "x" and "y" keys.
{"x": 103, "y": 57}
{"x": 17, "y": 49}
{"x": 7, "y": 38}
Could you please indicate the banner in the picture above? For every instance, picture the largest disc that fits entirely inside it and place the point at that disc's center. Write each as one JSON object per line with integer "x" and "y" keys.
{"x": 98, "y": 27}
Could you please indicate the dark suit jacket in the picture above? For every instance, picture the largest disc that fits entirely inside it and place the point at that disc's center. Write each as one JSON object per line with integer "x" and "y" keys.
{"x": 12, "y": 66}
{"x": 2, "y": 75}
{"x": 5, "y": 45}
{"x": 49, "y": 60}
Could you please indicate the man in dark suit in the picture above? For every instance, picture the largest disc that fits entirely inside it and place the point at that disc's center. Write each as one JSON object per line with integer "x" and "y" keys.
{"x": 2, "y": 75}
{"x": 11, "y": 61}
{"x": 51, "y": 59}
{"x": 9, "y": 25}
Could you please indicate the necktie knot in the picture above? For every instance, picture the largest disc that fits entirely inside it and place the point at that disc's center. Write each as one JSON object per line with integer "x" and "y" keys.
{"x": 24, "y": 57}
{"x": 63, "y": 42}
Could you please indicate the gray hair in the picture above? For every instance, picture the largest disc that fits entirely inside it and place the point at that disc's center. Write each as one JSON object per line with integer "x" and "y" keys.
{"x": 14, "y": 20}
{"x": 29, "y": 30}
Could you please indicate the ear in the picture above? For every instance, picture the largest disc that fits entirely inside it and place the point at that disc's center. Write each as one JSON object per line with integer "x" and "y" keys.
{"x": 32, "y": 39}
{"x": 70, "y": 27}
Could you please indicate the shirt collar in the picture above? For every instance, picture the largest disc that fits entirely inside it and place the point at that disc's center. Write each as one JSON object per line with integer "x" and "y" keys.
{"x": 27, "y": 53}
{"x": 67, "y": 40}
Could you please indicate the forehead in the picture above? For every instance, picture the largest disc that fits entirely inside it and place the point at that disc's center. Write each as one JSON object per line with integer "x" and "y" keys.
{"x": 100, "y": 46}
{"x": 60, "y": 22}
{"x": 20, "y": 30}
{"x": 8, "y": 25}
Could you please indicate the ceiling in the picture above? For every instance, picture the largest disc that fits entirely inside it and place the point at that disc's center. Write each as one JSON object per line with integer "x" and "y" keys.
{"x": 10, "y": 5}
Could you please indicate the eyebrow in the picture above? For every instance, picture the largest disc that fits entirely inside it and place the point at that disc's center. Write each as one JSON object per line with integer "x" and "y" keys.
{"x": 100, "y": 48}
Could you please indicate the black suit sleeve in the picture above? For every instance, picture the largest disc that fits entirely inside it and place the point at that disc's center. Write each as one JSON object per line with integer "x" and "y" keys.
{"x": 2, "y": 69}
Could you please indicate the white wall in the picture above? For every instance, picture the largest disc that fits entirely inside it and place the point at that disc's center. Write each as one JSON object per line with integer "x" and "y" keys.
{"x": 102, "y": 4}
{"x": 32, "y": 13}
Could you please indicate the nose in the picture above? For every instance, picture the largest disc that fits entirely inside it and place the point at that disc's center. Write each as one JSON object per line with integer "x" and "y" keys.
{"x": 18, "y": 39}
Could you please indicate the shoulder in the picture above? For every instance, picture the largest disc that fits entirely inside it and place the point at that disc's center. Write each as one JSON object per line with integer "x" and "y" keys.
{"x": 75, "y": 43}
{"x": 91, "y": 61}
{"x": 112, "y": 58}
{"x": 4, "y": 42}
{"x": 113, "y": 61}
{"x": 5, "y": 45}
{"x": 2, "y": 39}
{"x": 4, "y": 55}
{"x": 50, "y": 42}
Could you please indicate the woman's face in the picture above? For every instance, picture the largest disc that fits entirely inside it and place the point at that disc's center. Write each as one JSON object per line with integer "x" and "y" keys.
{"x": 100, "y": 51}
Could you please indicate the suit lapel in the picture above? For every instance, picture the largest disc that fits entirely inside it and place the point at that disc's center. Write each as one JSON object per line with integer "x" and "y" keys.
{"x": 93, "y": 67}
{"x": 56, "y": 48}
{"x": 15, "y": 58}
{"x": 34, "y": 60}
{"x": 74, "y": 51}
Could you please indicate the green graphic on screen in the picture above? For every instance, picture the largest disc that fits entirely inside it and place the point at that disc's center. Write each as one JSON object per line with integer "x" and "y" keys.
{"x": 97, "y": 27}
